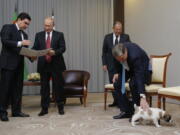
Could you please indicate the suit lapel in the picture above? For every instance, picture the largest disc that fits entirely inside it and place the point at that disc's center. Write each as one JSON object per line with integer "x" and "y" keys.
{"x": 111, "y": 40}
{"x": 121, "y": 38}
{"x": 44, "y": 39}
{"x": 52, "y": 39}
{"x": 19, "y": 38}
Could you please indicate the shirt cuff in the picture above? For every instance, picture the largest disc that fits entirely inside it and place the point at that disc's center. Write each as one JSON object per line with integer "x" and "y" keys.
{"x": 142, "y": 95}
{"x": 19, "y": 44}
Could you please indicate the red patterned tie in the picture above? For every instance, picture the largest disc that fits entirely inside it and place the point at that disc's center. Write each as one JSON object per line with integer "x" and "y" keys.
{"x": 48, "y": 45}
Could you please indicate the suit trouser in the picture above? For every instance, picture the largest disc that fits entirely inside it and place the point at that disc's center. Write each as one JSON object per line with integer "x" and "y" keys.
{"x": 11, "y": 87}
{"x": 111, "y": 75}
{"x": 58, "y": 85}
{"x": 124, "y": 103}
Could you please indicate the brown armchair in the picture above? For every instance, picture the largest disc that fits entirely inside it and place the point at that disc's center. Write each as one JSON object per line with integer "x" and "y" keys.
{"x": 76, "y": 84}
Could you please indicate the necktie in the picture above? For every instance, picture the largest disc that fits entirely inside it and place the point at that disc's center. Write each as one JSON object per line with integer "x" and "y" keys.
{"x": 21, "y": 33}
{"x": 48, "y": 45}
{"x": 123, "y": 89}
{"x": 116, "y": 40}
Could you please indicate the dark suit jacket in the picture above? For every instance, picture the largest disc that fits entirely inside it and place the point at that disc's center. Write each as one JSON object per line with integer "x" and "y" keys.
{"x": 10, "y": 58}
{"x": 57, "y": 44}
{"x": 138, "y": 62}
{"x": 107, "y": 58}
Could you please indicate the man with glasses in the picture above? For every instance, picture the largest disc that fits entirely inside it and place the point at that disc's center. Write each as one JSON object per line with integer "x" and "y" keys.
{"x": 13, "y": 38}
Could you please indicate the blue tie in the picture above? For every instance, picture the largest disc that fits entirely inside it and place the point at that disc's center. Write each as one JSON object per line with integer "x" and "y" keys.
{"x": 123, "y": 90}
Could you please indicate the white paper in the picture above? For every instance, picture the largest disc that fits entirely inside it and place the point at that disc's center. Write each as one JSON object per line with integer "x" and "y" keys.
{"x": 33, "y": 53}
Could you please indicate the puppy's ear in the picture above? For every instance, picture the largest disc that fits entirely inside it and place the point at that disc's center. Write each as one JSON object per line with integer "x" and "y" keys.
{"x": 167, "y": 117}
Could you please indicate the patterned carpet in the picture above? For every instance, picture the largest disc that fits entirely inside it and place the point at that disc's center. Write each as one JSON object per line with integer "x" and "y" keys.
{"x": 92, "y": 120}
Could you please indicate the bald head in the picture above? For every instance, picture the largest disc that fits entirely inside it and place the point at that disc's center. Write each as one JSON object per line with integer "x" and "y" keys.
{"x": 48, "y": 24}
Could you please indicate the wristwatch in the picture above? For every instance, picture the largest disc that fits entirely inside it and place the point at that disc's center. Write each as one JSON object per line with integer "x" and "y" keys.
{"x": 142, "y": 95}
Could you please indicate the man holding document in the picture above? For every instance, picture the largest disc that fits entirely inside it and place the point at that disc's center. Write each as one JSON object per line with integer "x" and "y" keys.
{"x": 51, "y": 65}
{"x": 13, "y": 38}
{"x": 33, "y": 54}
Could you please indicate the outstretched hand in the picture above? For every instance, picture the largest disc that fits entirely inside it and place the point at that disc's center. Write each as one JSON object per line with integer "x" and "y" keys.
{"x": 115, "y": 78}
{"x": 143, "y": 104}
{"x": 26, "y": 43}
{"x": 33, "y": 58}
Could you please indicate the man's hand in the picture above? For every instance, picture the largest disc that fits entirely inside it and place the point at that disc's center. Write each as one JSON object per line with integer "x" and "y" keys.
{"x": 33, "y": 58}
{"x": 105, "y": 68}
{"x": 26, "y": 43}
{"x": 143, "y": 104}
{"x": 51, "y": 52}
{"x": 115, "y": 77}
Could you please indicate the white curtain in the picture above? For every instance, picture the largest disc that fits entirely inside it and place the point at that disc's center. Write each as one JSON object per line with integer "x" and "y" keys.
{"x": 84, "y": 23}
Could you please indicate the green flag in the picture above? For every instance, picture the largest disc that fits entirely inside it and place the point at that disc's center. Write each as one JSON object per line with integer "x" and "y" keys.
{"x": 25, "y": 71}
{"x": 15, "y": 14}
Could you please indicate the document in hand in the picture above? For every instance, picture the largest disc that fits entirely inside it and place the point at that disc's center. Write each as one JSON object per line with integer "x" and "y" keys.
{"x": 33, "y": 53}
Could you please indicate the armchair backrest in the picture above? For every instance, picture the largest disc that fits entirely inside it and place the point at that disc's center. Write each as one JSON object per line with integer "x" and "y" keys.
{"x": 159, "y": 68}
{"x": 75, "y": 77}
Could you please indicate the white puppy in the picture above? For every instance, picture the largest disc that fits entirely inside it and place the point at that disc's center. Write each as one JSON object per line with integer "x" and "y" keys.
{"x": 153, "y": 114}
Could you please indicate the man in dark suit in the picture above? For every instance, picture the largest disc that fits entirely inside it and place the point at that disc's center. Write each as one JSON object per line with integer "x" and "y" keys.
{"x": 136, "y": 64}
{"x": 110, "y": 41}
{"x": 13, "y": 38}
{"x": 51, "y": 65}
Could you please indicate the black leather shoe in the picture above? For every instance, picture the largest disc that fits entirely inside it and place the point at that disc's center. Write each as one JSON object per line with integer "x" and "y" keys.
{"x": 4, "y": 117}
{"x": 122, "y": 115}
{"x": 20, "y": 114}
{"x": 43, "y": 112}
{"x": 61, "y": 109}
{"x": 61, "y": 112}
{"x": 113, "y": 105}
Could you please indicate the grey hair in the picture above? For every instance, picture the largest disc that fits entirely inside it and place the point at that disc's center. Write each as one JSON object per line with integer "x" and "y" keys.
{"x": 118, "y": 50}
{"x": 117, "y": 23}
{"x": 50, "y": 18}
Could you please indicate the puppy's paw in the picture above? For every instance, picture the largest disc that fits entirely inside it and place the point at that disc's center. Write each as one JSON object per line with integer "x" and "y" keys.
{"x": 158, "y": 126}
{"x": 133, "y": 124}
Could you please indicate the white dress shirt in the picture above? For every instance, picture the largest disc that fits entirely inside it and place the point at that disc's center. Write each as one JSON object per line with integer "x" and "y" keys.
{"x": 19, "y": 44}
{"x": 114, "y": 38}
{"x": 50, "y": 35}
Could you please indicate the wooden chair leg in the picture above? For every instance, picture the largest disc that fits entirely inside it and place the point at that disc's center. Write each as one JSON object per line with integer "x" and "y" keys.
{"x": 148, "y": 98}
{"x": 53, "y": 100}
{"x": 81, "y": 100}
{"x": 150, "y": 101}
{"x": 85, "y": 98}
{"x": 164, "y": 103}
{"x": 65, "y": 101}
{"x": 159, "y": 101}
{"x": 105, "y": 99}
